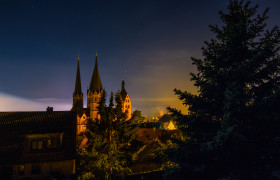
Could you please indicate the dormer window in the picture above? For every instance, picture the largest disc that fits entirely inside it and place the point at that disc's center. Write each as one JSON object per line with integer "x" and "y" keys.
{"x": 37, "y": 145}
{"x": 52, "y": 143}
{"x": 44, "y": 142}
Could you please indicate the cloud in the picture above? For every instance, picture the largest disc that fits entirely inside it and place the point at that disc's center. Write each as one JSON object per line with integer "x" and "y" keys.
{"x": 14, "y": 103}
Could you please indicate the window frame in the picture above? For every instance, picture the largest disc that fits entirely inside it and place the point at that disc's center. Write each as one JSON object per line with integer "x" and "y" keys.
{"x": 37, "y": 145}
{"x": 20, "y": 170}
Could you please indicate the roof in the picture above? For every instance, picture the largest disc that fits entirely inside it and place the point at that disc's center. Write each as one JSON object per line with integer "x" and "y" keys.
{"x": 78, "y": 86}
{"x": 16, "y": 126}
{"x": 95, "y": 83}
{"x": 77, "y": 106}
{"x": 148, "y": 135}
{"x": 84, "y": 110}
{"x": 165, "y": 118}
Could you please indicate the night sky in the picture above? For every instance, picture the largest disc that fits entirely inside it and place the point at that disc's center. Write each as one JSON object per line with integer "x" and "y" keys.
{"x": 146, "y": 43}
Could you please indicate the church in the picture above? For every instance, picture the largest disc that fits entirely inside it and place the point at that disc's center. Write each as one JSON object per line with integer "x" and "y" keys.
{"x": 42, "y": 145}
{"x": 94, "y": 94}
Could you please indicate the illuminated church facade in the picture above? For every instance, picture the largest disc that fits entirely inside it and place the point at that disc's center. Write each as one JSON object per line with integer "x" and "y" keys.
{"x": 94, "y": 93}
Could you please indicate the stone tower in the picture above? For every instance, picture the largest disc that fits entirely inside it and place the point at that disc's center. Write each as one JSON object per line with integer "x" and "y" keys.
{"x": 78, "y": 95}
{"x": 126, "y": 101}
{"x": 94, "y": 92}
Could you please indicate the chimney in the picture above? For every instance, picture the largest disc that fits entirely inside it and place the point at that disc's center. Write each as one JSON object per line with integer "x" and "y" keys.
{"x": 49, "y": 109}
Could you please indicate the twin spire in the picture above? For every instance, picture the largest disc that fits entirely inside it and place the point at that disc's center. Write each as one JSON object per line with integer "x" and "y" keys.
{"x": 78, "y": 86}
{"x": 95, "y": 83}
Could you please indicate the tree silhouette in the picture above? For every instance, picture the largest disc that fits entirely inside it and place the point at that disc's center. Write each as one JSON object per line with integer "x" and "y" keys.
{"x": 233, "y": 121}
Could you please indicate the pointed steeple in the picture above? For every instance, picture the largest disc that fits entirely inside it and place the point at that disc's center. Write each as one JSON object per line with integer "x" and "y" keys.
{"x": 123, "y": 85}
{"x": 95, "y": 83}
{"x": 78, "y": 86}
{"x": 123, "y": 91}
{"x": 78, "y": 95}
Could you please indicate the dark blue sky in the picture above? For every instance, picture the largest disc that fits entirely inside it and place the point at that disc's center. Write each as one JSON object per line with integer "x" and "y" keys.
{"x": 147, "y": 43}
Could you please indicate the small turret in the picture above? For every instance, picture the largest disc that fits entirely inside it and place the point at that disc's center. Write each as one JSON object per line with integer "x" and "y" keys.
{"x": 126, "y": 101}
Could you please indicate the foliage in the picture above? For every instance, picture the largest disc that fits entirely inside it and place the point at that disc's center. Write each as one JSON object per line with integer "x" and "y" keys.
{"x": 108, "y": 152}
{"x": 233, "y": 120}
{"x": 137, "y": 117}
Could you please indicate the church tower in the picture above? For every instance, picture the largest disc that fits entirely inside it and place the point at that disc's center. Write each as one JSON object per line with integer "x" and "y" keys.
{"x": 78, "y": 95}
{"x": 94, "y": 92}
{"x": 126, "y": 101}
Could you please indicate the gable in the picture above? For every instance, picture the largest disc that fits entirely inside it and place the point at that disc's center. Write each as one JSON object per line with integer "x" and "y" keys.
{"x": 171, "y": 126}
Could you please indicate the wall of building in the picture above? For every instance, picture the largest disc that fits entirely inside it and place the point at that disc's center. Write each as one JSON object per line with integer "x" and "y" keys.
{"x": 63, "y": 168}
{"x": 81, "y": 123}
{"x": 127, "y": 107}
{"x": 92, "y": 103}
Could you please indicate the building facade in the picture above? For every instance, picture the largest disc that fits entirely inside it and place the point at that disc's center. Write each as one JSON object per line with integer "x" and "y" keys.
{"x": 94, "y": 94}
{"x": 37, "y": 145}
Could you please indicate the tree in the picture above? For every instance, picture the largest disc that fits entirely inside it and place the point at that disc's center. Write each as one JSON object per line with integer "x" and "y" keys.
{"x": 137, "y": 117}
{"x": 234, "y": 117}
{"x": 108, "y": 152}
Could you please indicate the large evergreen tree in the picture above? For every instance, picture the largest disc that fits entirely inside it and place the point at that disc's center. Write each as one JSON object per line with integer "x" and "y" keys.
{"x": 232, "y": 128}
{"x": 108, "y": 152}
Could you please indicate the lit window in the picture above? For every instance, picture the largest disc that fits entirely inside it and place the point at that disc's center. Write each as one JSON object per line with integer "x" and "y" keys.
{"x": 40, "y": 144}
{"x": 49, "y": 143}
{"x": 21, "y": 169}
{"x": 37, "y": 145}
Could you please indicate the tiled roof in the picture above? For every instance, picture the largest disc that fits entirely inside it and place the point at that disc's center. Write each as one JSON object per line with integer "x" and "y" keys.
{"x": 16, "y": 126}
{"x": 166, "y": 118}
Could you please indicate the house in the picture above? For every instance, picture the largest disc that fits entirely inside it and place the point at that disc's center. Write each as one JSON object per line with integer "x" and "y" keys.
{"x": 37, "y": 145}
{"x": 167, "y": 123}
